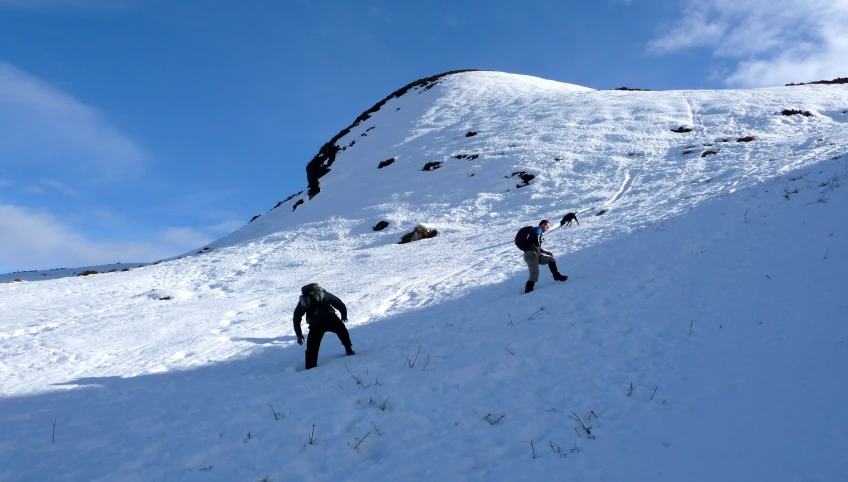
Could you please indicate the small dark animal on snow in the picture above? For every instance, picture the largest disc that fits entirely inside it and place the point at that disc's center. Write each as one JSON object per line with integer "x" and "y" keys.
{"x": 566, "y": 220}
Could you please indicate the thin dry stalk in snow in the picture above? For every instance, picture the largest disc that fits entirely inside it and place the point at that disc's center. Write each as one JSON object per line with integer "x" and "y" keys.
{"x": 493, "y": 420}
{"x": 588, "y": 430}
{"x": 411, "y": 363}
{"x": 533, "y": 448}
{"x": 312, "y": 436}
{"x": 360, "y": 440}
{"x": 359, "y": 383}
{"x": 428, "y": 361}
{"x": 277, "y": 415}
{"x": 382, "y": 406}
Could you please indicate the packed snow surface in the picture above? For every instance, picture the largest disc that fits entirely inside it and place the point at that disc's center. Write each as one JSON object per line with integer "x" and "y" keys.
{"x": 702, "y": 334}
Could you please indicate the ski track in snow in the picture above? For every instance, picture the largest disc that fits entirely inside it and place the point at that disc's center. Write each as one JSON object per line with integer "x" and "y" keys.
{"x": 625, "y": 186}
{"x": 146, "y": 388}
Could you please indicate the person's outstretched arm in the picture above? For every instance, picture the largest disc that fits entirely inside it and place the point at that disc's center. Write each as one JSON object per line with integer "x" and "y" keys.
{"x": 336, "y": 303}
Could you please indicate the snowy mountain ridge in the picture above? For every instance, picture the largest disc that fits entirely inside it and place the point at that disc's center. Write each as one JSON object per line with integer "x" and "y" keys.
{"x": 706, "y": 281}
{"x": 591, "y": 146}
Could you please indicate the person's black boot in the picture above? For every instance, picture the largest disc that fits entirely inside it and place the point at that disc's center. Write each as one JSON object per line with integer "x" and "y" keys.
{"x": 555, "y": 272}
{"x": 349, "y": 350}
{"x": 529, "y": 286}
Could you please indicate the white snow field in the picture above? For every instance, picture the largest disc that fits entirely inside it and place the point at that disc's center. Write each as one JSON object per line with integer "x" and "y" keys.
{"x": 702, "y": 334}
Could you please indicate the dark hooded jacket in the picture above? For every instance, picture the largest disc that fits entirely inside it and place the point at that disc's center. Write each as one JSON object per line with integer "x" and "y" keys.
{"x": 315, "y": 310}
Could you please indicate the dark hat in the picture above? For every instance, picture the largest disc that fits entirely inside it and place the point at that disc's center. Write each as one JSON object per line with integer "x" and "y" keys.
{"x": 312, "y": 290}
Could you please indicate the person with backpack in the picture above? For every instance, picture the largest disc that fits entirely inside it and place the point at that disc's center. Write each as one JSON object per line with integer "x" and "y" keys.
{"x": 529, "y": 240}
{"x": 319, "y": 306}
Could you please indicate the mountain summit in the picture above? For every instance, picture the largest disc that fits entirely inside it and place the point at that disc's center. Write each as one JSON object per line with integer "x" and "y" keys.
{"x": 529, "y": 148}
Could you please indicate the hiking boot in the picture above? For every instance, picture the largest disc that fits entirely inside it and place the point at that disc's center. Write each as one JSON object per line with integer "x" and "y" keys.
{"x": 555, "y": 272}
{"x": 349, "y": 351}
{"x": 529, "y": 286}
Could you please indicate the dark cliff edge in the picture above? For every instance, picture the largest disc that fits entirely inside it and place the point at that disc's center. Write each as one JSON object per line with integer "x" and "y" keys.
{"x": 320, "y": 164}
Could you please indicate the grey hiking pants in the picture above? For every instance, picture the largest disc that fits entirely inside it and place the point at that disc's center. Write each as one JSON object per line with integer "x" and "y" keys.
{"x": 533, "y": 261}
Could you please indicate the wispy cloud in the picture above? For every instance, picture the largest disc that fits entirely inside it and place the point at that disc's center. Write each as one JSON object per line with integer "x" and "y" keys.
{"x": 58, "y": 186}
{"x": 32, "y": 189}
{"x": 39, "y": 123}
{"x": 35, "y": 239}
{"x": 187, "y": 237}
{"x": 225, "y": 227}
{"x": 198, "y": 236}
{"x": 45, "y": 184}
{"x": 452, "y": 21}
{"x": 53, "y": 5}
{"x": 768, "y": 42}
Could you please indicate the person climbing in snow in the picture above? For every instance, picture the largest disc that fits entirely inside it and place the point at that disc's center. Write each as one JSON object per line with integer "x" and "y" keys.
{"x": 534, "y": 255}
{"x": 318, "y": 305}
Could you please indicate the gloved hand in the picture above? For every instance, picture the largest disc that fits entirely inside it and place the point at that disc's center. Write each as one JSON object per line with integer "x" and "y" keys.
{"x": 300, "y": 340}
{"x": 344, "y": 320}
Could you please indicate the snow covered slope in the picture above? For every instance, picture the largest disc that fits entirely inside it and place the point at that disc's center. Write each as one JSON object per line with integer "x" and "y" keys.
{"x": 698, "y": 306}
{"x": 48, "y": 274}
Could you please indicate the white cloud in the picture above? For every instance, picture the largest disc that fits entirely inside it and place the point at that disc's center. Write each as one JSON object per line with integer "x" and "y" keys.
{"x": 31, "y": 239}
{"x": 33, "y": 189}
{"x": 189, "y": 238}
{"x": 39, "y": 123}
{"x": 226, "y": 227}
{"x": 39, "y": 187}
{"x": 51, "y": 5}
{"x": 452, "y": 21}
{"x": 58, "y": 186}
{"x": 769, "y": 42}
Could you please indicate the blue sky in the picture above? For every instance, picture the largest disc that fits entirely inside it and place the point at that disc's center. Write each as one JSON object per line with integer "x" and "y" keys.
{"x": 132, "y": 130}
